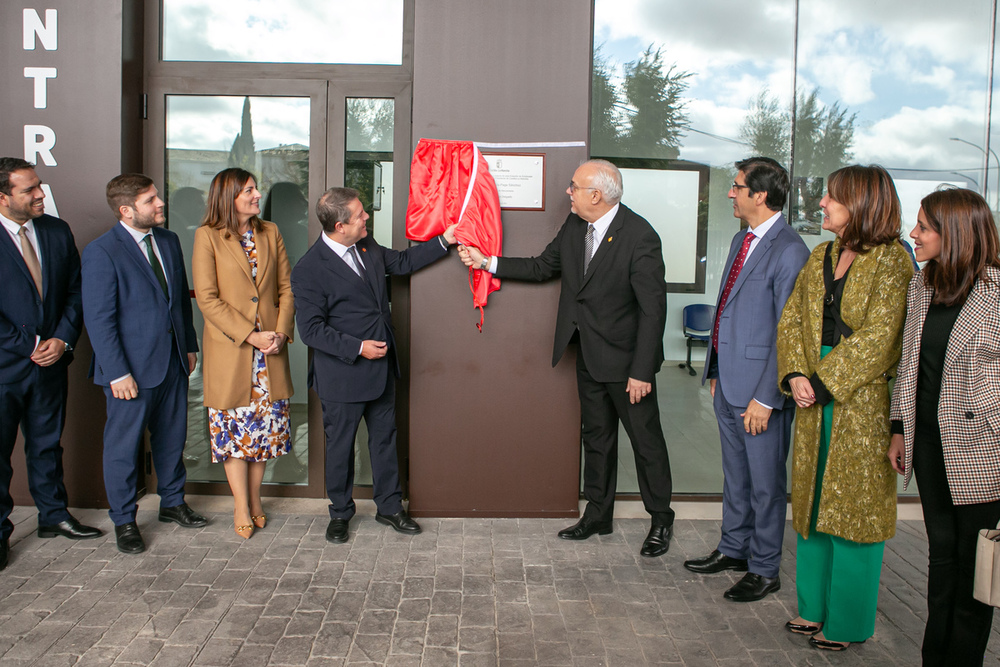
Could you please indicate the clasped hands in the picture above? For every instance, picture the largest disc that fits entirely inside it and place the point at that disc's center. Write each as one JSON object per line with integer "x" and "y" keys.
{"x": 48, "y": 351}
{"x": 268, "y": 342}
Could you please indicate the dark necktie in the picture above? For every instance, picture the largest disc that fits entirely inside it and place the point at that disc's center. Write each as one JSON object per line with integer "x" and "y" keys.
{"x": 734, "y": 272}
{"x": 588, "y": 248}
{"x": 357, "y": 262}
{"x": 154, "y": 262}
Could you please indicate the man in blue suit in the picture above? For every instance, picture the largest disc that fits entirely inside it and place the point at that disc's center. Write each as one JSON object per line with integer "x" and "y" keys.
{"x": 754, "y": 417}
{"x": 137, "y": 309}
{"x": 342, "y": 311}
{"x": 40, "y": 321}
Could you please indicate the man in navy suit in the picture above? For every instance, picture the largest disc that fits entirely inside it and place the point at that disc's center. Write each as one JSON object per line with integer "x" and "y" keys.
{"x": 342, "y": 311}
{"x": 742, "y": 369}
{"x": 137, "y": 309}
{"x": 612, "y": 307}
{"x": 40, "y": 320}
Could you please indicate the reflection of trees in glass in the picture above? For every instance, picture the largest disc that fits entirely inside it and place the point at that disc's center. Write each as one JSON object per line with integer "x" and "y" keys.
{"x": 242, "y": 153}
{"x": 824, "y": 136}
{"x": 369, "y": 124}
{"x": 644, "y": 116}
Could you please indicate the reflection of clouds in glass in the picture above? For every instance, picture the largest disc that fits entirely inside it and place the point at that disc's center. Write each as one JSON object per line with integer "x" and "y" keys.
{"x": 920, "y": 138}
{"x": 299, "y": 31}
{"x": 913, "y": 71}
{"x": 212, "y": 122}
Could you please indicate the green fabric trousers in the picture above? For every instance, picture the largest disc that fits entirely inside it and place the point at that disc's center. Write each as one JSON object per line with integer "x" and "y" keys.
{"x": 837, "y": 580}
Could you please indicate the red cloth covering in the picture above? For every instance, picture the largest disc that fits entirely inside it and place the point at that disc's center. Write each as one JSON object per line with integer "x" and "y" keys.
{"x": 450, "y": 182}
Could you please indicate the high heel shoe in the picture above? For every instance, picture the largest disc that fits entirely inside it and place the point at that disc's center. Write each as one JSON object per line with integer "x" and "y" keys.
{"x": 259, "y": 520}
{"x": 244, "y": 531}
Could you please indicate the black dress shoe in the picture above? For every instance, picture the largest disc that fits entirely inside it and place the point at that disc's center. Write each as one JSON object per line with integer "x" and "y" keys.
{"x": 70, "y": 528}
{"x": 400, "y": 522}
{"x": 4, "y": 551}
{"x": 183, "y": 515}
{"x": 657, "y": 541}
{"x": 336, "y": 532}
{"x": 802, "y": 628}
{"x": 128, "y": 539}
{"x": 716, "y": 562}
{"x": 752, "y": 587}
{"x": 584, "y": 528}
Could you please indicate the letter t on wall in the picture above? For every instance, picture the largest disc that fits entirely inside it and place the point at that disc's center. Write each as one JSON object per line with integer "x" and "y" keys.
{"x": 40, "y": 75}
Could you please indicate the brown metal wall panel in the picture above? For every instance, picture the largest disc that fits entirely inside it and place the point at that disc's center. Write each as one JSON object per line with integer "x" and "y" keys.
{"x": 494, "y": 429}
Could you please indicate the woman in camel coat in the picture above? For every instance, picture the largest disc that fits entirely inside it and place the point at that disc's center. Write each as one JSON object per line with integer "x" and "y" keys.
{"x": 243, "y": 286}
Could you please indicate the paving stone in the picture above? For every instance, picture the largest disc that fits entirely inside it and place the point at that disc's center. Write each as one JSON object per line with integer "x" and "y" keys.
{"x": 465, "y": 592}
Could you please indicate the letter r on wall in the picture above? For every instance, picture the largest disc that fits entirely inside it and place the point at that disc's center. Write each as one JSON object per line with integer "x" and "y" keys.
{"x": 39, "y": 141}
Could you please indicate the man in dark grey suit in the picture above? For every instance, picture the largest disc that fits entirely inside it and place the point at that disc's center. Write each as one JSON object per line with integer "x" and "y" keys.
{"x": 754, "y": 417}
{"x": 613, "y": 305}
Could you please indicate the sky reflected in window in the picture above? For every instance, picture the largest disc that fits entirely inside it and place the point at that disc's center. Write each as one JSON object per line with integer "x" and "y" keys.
{"x": 353, "y": 32}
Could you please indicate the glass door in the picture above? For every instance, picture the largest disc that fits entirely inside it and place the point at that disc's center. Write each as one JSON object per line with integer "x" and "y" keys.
{"x": 274, "y": 136}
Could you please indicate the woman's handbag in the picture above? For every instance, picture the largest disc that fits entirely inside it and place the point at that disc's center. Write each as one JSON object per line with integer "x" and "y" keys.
{"x": 987, "y": 585}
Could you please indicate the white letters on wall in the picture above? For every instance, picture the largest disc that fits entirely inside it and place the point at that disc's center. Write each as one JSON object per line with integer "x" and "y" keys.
{"x": 39, "y": 140}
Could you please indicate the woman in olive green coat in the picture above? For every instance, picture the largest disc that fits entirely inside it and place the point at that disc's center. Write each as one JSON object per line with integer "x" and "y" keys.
{"x": 839, "y": 340}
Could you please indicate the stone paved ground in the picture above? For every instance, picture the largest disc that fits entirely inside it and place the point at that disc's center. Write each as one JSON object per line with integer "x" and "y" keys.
{"x": 465, "y": 592}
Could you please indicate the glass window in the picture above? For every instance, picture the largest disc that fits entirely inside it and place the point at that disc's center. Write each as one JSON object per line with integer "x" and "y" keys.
{"x": 357, "y": 32}
{"x": 900, "y": 84}
{"x": 681, "y": 83}
{"x": 368, "y": 160}
{"x": 269, "y": 137}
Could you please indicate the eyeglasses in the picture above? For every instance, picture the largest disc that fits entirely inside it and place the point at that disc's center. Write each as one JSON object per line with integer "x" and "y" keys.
{"x": 737, "y": 186}
{"x": 574, "y": 187}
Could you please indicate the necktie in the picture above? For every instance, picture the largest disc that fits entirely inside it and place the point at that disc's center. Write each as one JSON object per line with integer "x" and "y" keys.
{"x": 357, "y": 261}
{"x": 734, "y": 272}
{"x": 588, "y": 248}
{"x": 31, "y": 259}
{"x": 155, "y": 263}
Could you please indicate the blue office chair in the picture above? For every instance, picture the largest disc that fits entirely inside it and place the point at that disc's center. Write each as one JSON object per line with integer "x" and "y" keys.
{"x": 697, "y": 322}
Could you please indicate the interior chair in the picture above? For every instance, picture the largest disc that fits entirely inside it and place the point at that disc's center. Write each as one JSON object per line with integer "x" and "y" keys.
{"x": 697, "y": 321}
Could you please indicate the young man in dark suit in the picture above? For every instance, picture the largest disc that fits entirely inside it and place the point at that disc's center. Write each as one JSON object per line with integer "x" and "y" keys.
{"x": 342, "y": 311}
{"x": 613, "y": 304}
{"x": 137, "y": 308}
{"x": 40, "y": 321}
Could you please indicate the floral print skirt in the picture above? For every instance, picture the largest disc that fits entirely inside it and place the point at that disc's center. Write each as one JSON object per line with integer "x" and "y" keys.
{"x": 257, "y": 432}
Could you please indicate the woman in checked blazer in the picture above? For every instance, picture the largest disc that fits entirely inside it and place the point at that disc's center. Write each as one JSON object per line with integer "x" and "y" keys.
{"x": 946, "y": 411}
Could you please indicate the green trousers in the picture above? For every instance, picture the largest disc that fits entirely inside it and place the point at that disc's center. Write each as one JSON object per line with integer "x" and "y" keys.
{"x": 837, "y": 579}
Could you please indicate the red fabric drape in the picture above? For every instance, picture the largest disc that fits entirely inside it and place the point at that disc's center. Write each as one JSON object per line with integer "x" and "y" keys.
{"x": 450, "y": 182}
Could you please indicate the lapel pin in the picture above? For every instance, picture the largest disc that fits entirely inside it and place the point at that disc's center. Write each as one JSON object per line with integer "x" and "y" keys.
{"x": 609, "y": 239}
{"x": 364, "y": 250}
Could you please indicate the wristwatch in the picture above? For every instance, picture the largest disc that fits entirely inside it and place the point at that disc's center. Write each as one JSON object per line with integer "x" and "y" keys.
{"x": 485, "y": 263}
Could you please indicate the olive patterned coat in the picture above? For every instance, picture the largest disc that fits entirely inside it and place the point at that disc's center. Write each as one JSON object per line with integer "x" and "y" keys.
{"x": 858, "y": 498}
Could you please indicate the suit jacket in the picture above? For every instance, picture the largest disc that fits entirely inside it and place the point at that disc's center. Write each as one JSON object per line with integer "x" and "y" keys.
{"x": 23, "y": 314}
{"x": 619, "y": 306}
{"x": 231, "y": 301}
{"x": 969, "y": 405}
{"x": 858, "y": 495}
{"x": 336, "y": 310}
{"x": 748, "y": 325}
{"x": 134, "y": 328}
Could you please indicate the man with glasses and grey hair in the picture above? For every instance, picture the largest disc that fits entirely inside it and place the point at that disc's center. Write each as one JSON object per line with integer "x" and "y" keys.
{"x": 613, "y": 307}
